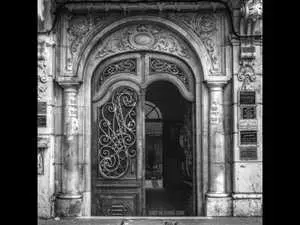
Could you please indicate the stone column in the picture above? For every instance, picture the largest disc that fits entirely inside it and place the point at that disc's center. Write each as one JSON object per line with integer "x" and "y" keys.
{"x": 218, "y": 202}
{"x": 68, "y": 202}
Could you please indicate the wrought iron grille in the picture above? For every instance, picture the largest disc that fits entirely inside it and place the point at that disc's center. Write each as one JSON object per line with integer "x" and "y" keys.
{"x": 163, "y": 66}
{"x": 117, "y": 133}
{"x": 122, "y": 66}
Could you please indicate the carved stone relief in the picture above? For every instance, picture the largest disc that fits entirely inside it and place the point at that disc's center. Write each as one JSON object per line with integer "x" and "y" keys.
{"x": 251, "y": 21}
{"x": 205, "y": 26}
{"x": 246, "y": 75}
{"x": 142, "y": 37}
{"x": 78, "y": 28}
{"x": 42, "y": 69}
{"x": 164, "y": 66}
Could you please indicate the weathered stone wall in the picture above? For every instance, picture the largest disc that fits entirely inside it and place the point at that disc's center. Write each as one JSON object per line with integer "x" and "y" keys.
{"x": 46, "y": 146}
{"x": 46, "y": 112}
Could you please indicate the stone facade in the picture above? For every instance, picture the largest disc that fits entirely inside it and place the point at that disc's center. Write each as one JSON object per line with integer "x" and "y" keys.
{"x": 220, "y": 50}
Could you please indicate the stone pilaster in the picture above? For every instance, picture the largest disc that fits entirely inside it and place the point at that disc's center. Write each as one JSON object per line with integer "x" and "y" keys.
{"x": 68, "y": 202}
{"x": 218, "y": 201}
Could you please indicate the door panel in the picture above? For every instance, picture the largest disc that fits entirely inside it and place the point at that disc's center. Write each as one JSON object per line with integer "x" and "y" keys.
{"x": 119, "y": 131}
{"x": 117, "y": 189}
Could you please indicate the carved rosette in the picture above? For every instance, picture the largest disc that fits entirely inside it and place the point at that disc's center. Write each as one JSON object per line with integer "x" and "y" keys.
{"x": 142, "y": 37}
{"x": 246, "y": 75}
{"x": 205, "y": 26}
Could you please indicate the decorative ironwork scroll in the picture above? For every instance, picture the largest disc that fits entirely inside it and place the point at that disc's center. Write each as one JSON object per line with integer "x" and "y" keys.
{"x": 164, "y": 66}
{"x": 122, "y": 66}
{"x": 117, "y": 133}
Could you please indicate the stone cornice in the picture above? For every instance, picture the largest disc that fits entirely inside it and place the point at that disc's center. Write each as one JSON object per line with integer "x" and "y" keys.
{"x": 132, "y": 6}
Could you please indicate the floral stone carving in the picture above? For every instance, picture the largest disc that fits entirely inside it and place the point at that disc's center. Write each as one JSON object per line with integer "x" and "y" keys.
{"x": 246, "y": 75}
{"x": 142, "y": 37}
{"x": 205, "y": 26}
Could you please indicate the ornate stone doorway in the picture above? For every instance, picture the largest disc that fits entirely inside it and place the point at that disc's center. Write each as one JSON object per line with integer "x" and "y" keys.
{"x": 121, "y": 97}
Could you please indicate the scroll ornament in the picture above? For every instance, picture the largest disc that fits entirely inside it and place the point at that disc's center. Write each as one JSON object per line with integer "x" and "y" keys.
{"x": 251, "y": 21}
{"x": 164, "y": 66}
{"x": 117, "y": 134}
{"x": 205, "y": 26}
{"x": 246, "y": 75}
{"x": 142, "y": 37}
{"x": 42, "y": 70}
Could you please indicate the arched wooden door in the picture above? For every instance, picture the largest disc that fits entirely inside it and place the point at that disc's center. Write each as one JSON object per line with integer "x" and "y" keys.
{"x": 118, "y": 127}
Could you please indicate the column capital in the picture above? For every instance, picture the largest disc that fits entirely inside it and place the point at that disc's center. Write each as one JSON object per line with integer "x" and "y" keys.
{"x": 68, "y": 82}
{"x": 216, "y": 84}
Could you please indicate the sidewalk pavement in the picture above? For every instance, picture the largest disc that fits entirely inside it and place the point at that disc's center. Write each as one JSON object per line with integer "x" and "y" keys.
{"x": 154, "y": 221}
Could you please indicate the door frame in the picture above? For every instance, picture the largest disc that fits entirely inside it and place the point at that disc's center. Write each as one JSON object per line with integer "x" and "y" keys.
{"x": 199, "y": 66}
{"x": 142, "y": 82}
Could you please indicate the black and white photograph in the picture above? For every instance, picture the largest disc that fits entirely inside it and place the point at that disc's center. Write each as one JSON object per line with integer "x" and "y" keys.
{"x": 149, "y": 112}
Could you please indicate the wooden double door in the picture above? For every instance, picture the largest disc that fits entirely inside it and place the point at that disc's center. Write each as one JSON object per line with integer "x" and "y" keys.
{"x": 118, "y": 130}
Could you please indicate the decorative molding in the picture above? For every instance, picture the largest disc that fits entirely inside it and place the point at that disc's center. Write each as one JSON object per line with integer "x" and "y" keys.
{"x": 252, "y": 13}
{"x": 42, "y": 80}
{"x": 252, "y": 9}
{"x": 42, "y": 69}
{"x": 128, "y": 7}
{"x": 122, "y": 66}
{"x": 164, "y": 66}
{"x": 205, "y": 26}
{"x": 78, "y": 29}
{"x": 66, "y": 82}
{"x": 142, "y": 37}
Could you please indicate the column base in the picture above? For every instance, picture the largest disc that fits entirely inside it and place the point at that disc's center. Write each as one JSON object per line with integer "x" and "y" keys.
{"x": 67, "y": 205}
{"x": 218, "y": 204}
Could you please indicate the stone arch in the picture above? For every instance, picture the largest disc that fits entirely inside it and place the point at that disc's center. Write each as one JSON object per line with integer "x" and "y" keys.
{"x": 200, "y": 62}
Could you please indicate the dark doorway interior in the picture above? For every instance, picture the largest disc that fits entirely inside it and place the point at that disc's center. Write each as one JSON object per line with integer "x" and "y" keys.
{"x": 169, "y": 167}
